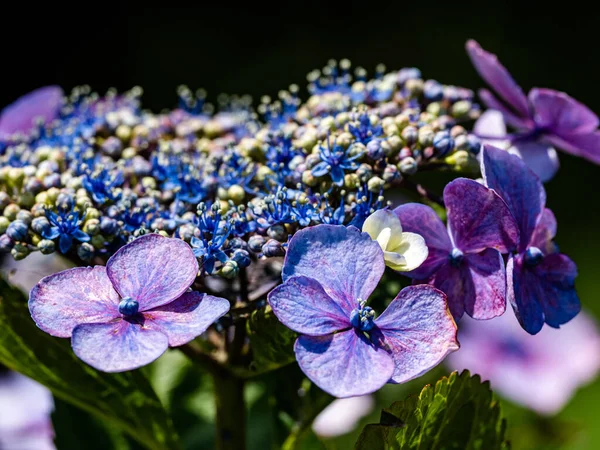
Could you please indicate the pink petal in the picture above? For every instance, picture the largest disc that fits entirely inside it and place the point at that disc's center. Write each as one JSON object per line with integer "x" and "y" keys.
{"x": 20, "y": 116}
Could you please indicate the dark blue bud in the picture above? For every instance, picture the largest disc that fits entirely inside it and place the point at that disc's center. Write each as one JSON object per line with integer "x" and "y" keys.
{"x": 236, "y": 243}
{"x": 52, "y": 180}
{"x": 65, "y": 202}
{"x": 40, "y": 224}
{"x": 474, "y": 144}
{"x": 374, "y": 149}
{"x": 108, "y": 226}
{"x": 17, "y": 230}
{"x": 85, "y": 251}
{"x": 128, "y": 307}
{"x": 256, "y": 242}
{"x": 533, "y": 256}
{"x": 456, "y": 257}
{"x": 241, "y": 257}
{"x": 443, "y": 143}
{"x": 273, "y": 248}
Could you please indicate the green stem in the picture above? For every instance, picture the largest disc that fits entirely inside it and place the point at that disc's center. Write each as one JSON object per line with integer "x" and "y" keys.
{"x": 231, "y": 411}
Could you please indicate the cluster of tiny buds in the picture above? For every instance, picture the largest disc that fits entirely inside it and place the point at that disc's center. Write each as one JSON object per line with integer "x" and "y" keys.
{"x": 234, "y": 182}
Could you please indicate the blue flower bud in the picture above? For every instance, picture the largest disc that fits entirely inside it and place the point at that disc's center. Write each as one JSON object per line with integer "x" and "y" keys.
{"x": 17, "y": 230}
{"x": 433, "y": 91}
{"x": 6, "y": 243}
{"x": 278, "y": 232}
{"x": 128, "y": 307}
{"x": 65, "y": 202}
{"x": 374, "y": 149}
{"x": 241, "y": 257}
{"x": 443, "y": 143}
{"x": 108, "y": 226}
{"x": 40, "y": 224}
{"x": 256, "y": 242}
{"x": 408, "y": 73}
{"x": 474, "y": 144}
{"x": 273, "y": 248}
{"x": 533, "y": 256}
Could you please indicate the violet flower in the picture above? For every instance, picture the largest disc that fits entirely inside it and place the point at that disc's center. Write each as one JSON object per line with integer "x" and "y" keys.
{"x": 25, "y": 408}
{"x": 329, "y": 272}
{"x": 125, "y": 315}
{"x": 543, "y": 119}
{"x": 541, "y": 372}
{"x": 20, "y": 116}
{"x": 465, "y": 259}
{"x": 541, "y": 281}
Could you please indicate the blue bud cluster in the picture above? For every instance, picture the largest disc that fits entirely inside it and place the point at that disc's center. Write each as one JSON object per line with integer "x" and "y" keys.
{"x": 233, "y": 181}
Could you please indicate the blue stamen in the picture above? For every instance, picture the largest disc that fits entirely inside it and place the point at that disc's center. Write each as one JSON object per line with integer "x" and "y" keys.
{"x": 128, "y": 307}
{"x": 362, "y": 318}
{"x": 533, "y": 256}
{"x": 456, "y": 257}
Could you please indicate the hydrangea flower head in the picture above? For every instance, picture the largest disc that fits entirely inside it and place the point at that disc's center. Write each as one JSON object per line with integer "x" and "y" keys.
{"x": 541, "y": 372}
{"x": 541, "y": 281}
{"x": 544, "y": 118}
{"x": 329, "y": 272}
{"x": 125, "y": 315}
{"x": 402, "y": 251}
{"x": 19, "y": 117}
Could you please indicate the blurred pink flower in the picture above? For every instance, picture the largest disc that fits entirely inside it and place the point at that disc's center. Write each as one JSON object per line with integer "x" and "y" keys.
{"x": 25, "y": 408}
{"x": 540, "y": 372}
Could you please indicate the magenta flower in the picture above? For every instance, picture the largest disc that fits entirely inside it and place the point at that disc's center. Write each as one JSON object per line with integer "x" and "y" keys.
{"x": 19, "y": 117}
{"x": 329, "y": 272}
{"x": 541, "y": 372}
{"x": 25, "y": 408}
{"x": 541, "y": 281}
{"x": 465, "y": 258}
{"x": 543, "y": 119}
{"x": 125, "y": 315}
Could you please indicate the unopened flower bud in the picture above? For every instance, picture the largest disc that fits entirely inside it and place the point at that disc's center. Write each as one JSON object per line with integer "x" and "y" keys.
{"x": 229, "y": 270}
{"x": 46, "y": 246}
{"x": 241, "y": 257}
{"x": 273, "y": 248}
{"x": 256, "y": 242}
{"x": 17, "y": 230}
{"x": 443, "y": 143}
{"x": 20, "y": 251}
{"x": 375, "y": 184}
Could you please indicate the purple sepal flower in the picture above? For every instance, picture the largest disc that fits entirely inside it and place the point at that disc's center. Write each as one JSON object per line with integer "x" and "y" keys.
{"x": 465, "y": 258}
{"x": 541, "y": 372}
{"x": 125, "y": 315}
{"x": 544, "y": 115}
{"x": 541, "y": 282}
{"x": 328, "y": 274}
{"x": 19, "y": 117}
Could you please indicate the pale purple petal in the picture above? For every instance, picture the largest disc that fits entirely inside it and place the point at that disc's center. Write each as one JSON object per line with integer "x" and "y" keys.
{"x": 488, "y": 278}
{"x": 347, "y": 263}
{"x": 61, "y": 301}
{"x": 342, "y": 415}
{"x": 560, "y": 113}
{"x": 19, "y": 117}
{"x": 540, "y": 372}
{"x": 456, "y": 283}
{"x": 344, "y": 364}
{"x": 418, "y": 329}
{"x": 514, "y": 120}
{"x": 421, "y": 219}
{"x": 187, "y": 317}
{"x": 153, "y": 270}
{"x": 585, "y": 145}
{"x": 518, "y": 186}
{"x": 478, "y": 218}
{"x": 490, "y": 124}
{"x": 544, "y": 293}
{"x": 541, "y": 158}
{"x": 302, "y": 304}
{"x": 118, "y": 346}
{"x": 496, "y": 75}
{"x": 544, "y": 232}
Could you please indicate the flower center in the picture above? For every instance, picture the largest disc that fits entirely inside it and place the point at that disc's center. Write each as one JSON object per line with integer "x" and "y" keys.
{"x": 362, "y": 318}
{"x": 128, "y": 307}
{"x": 456, "y": 257}
{"x": 533, "y": 256}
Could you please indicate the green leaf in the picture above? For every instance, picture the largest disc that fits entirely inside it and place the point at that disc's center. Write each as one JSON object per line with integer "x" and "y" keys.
{"x": 125, "y": 400}
{"x": 460, "y": 413}
{"x": 272, "y": 342}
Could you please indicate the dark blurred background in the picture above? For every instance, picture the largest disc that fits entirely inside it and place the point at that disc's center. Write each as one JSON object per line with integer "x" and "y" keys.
{"x": 257, "y": 49}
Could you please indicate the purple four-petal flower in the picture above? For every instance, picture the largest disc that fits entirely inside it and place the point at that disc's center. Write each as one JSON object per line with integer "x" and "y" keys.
{"x": 544, "y": 116}
{"x": 465, "y": 259}
{"x": 541, "y": 281}
{"x": 329, "y": 272}
{"x": 125, "y": 315}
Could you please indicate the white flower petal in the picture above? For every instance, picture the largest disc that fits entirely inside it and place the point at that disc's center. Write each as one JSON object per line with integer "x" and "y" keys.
{"x": 379, "y": 221}
{"x": 414, "y": 250}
